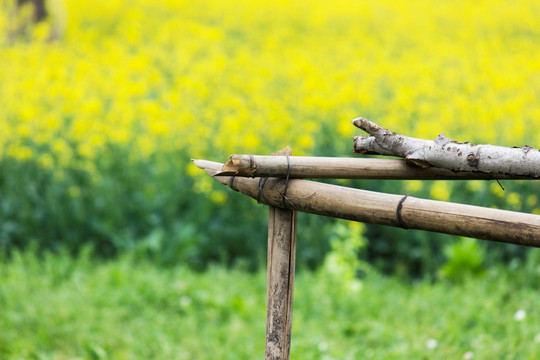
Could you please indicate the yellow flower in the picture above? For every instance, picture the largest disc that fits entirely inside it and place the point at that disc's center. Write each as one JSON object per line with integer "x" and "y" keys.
{"x": 192, "y": 170}
{"x": 475, "y": 186}
{"x": 513, "y": 198}
{"x": 46, "y": 161}
{"x": 440, "y": 191}
{"x": 203, "y": 185}
{"x": 60, "y": 147}
{"x": 496, "y": 189}
{"x": 168, "y": 76}
{"x": 251, "y": 141}
{"x": 413, "y": 186}
{"x": 345, "y": 128}
{"x": 218, "y": 197}
{"x": 24, "y": 130}
{"x": 159, "y": 128}
{"x": 20, "y": 152}
{"x": 305, "y": 141}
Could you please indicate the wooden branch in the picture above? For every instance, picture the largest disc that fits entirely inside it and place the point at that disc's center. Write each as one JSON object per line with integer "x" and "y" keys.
{"x": 387, "y": 209}
{"x": 448, "y": 154}
{"x": 343, "y": 168}
{"x": 280, "y": 284}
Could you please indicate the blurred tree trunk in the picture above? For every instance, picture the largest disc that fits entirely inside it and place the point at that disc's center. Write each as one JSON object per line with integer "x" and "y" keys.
{"x": 40, "y": 12}
{"x": 25, "y": 15}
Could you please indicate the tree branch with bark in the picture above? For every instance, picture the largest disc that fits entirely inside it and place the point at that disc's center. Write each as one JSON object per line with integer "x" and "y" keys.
{"x": 446, "y": 153}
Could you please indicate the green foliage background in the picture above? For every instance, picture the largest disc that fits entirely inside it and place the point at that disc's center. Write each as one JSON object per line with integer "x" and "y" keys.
{"x": 97, "y": 129}
{"x": 59, "y": 306}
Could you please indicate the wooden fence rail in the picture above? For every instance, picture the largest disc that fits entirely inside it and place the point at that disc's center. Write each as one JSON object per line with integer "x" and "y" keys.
{"x": 277, "y": 181}
{"x": 386, "y": 209}
{"x": 345, "y": 168}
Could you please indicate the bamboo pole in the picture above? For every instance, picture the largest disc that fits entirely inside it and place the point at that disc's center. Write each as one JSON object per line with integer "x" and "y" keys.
{"x": 280, "y": 283}
{"x": 344, "y": 168}
{"x": 387, "y": 209}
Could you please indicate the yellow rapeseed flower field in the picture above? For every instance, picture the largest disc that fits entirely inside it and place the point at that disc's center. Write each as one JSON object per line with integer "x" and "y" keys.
{"x": 217, "y": 77}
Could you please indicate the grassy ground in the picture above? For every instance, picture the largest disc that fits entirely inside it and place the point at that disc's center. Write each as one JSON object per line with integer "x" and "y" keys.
{"x": 63, "y": 308}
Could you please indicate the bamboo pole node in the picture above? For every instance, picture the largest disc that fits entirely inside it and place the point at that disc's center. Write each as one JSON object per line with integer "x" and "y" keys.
{"x": 252, "y": 162}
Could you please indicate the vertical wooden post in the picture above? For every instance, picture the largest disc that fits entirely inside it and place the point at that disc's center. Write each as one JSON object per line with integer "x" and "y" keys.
{"x": 280, "y": 284}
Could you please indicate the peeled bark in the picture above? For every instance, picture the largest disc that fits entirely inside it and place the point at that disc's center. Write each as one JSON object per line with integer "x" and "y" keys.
{"x": 448, "y": 154}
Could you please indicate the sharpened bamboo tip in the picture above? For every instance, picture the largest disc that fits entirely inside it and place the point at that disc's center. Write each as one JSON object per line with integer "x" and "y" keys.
{"x": 211, "y": 167}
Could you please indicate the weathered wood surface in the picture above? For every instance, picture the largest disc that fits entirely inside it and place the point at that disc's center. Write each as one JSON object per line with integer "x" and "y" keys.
{"x": 344, "y": 168}
{"x": 281, "y": 263}
{"x": 448, "y": 154}
{"x": 387, "y": 209}
{"x": 280, "y": 284}
{"x": 280, "y": 273}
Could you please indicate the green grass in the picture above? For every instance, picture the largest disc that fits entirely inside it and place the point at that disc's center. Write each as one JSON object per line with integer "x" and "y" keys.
{"x": 58, "y": 307}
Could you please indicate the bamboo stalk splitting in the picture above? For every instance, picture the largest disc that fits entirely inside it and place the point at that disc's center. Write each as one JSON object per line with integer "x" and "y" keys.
{"x": 387, "y": 209}
{"x": 345, "y": 168}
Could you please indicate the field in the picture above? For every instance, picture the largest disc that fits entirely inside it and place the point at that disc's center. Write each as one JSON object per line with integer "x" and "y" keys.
{"x": 97, "y": 129}
{"x": 114, "y": 245}
{"x": 58, "y": 307}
